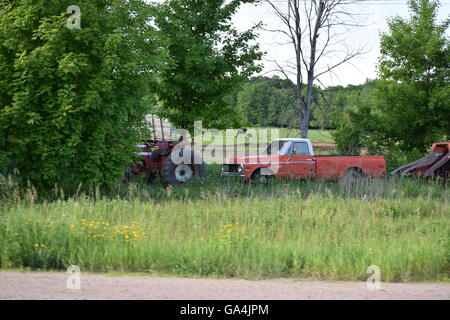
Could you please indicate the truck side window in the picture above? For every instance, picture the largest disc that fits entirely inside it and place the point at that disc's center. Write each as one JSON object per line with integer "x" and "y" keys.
{"x": 301, "y": 148}
{"x": 276, "y": 147}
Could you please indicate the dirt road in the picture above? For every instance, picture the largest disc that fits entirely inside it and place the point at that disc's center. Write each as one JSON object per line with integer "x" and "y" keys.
{"x": 31, "y": 285}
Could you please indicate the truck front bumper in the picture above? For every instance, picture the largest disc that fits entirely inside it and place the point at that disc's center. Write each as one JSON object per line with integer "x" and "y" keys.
{"x": 232, "y": 170}
{"x": 232, "y": 174}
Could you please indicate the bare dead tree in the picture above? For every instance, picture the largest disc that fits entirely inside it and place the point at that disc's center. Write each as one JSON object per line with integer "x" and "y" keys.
{"x": 304, "y": 21}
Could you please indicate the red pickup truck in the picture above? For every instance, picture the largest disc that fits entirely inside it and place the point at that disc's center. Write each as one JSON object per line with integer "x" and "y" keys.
{"x": 294, "y": 158}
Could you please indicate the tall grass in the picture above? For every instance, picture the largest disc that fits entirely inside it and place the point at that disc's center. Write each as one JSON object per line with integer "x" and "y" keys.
{"x": 228, "y": 228}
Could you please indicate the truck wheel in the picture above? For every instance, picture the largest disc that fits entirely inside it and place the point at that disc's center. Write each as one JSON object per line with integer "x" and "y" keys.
{"x": 352, "y": 174}
{"x": 257, "y": 177}
{"x": 176, "y": 174}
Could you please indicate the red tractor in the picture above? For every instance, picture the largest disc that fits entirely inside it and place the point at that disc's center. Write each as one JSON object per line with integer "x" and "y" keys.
{"x": 175, "y": 161}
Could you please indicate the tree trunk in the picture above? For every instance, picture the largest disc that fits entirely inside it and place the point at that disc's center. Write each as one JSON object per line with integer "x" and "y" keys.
{"x": 300, "y": 106}
{"x": 298, "y": 91}
{"x": 321, "y": 16}
{"x": 308, "y": 105}
{"x": 311, "y": 71}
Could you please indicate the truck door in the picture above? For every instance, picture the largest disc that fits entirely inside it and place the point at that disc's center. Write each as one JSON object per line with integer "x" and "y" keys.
{"x": 280, "y": 163}
{"x": 302, "y": 164}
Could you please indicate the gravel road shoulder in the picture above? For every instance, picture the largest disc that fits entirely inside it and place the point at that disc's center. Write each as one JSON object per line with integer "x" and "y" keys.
{"x": 42, "y": 286}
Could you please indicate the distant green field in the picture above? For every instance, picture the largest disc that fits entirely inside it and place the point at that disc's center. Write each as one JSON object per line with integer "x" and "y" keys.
{"x": 258, "y": 133}
{"x": 228, "y": 228}
{"x": 313, "y": 135}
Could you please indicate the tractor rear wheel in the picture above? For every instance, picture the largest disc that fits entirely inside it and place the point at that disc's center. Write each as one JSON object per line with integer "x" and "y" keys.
{"x": 176, "y": 174}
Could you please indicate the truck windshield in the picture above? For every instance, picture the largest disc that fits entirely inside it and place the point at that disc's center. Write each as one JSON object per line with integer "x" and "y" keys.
{"x": 277, "y": 148}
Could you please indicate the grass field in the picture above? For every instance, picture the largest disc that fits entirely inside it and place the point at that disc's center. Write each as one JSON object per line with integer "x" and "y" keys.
{"x": 226, "y": 228}
{"x": 256, "y": 141}
{"x": 314, "y": 135}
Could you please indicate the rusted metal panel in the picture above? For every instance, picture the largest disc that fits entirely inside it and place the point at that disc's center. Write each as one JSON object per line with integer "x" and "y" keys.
{"x": 435, "y": 164}
{"x": 438, "y": 165}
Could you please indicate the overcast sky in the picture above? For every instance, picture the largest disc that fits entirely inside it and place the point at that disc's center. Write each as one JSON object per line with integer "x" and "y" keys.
{"x": 362, "y": 67}
{"x": 376, "y": 12}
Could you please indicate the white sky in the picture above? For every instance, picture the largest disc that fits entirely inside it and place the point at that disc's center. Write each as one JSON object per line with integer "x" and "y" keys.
{"x": 362, "y": 67}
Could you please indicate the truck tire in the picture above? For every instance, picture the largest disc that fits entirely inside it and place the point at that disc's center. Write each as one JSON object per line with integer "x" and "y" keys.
{"x": 352, "y": 175}
{"x": 258, "y": 178}
{"x": 176, "y": 174}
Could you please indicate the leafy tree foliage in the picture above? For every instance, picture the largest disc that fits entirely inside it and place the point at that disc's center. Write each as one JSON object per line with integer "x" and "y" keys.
{"x": 69, "y": 98}
{"x": 347, "y": 107}
{"x": 334, "y": 101}
{"x": 411, "y": 101}
{"x": 267, "y": 102}
{"x": 413, "y": 96}
{"x": 208, "y": 59}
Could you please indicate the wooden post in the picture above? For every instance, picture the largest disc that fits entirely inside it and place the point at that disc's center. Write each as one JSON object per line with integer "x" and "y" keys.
{"x": 162, "y": 129}
{"x": 154, "y": 128}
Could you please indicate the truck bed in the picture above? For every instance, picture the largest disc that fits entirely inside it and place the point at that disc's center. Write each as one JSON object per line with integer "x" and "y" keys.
{"x": 333, "y": 167}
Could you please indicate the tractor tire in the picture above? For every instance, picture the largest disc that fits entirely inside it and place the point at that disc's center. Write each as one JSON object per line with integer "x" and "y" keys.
{"x": 175, "y": 175}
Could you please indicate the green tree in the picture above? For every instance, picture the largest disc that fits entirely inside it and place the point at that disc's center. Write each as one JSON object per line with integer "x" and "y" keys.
{"x": 410, "y": 107}
{"x": 413, "y": 95}
{"x": 334, "y": 101}
{"x": 254, "y": 100}
{"x": 69, "y": 98}
{"x": 267, "y": 101}
{"x": 208, "y": 60}
{"x": 352, "y": 115}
